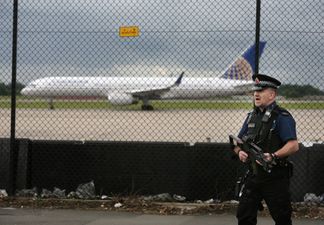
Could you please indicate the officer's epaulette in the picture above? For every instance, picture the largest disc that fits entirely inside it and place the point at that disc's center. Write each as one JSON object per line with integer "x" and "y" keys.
{"x": 283, "y": 111}
{"x": 250, "y": 114}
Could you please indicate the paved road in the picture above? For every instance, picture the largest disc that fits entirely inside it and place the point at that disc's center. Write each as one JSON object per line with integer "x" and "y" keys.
{"x": 10, "y": 216}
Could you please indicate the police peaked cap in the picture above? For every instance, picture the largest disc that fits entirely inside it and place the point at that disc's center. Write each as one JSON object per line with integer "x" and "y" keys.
{"x": 262, "y": 81}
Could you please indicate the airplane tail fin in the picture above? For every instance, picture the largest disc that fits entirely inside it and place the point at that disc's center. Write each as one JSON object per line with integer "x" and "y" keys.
{"x": 178, "y": 81}
{"x": 243, "y": 67}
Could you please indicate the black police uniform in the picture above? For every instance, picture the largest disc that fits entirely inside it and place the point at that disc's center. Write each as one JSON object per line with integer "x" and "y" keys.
{"x": 267, "y": 130}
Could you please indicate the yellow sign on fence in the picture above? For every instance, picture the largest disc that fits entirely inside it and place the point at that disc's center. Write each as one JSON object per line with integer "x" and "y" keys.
{"x": 132, "y": 31}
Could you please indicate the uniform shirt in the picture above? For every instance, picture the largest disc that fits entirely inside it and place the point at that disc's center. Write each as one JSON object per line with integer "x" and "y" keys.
{"x": 285, "y": 125}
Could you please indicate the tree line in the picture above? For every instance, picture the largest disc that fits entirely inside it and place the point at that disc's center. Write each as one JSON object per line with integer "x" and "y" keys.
{"x": 5, "y": 89}
{"x": 298, "y": 91}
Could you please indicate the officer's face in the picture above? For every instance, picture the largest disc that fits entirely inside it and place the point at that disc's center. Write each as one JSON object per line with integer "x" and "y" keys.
{"x": 264, "y": 97}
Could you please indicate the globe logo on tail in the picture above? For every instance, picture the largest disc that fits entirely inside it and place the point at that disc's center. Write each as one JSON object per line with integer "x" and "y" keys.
{"x": 239, "y": 70}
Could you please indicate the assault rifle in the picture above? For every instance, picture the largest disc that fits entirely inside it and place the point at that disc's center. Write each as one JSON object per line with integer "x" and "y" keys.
{"x": 254, "y": 152}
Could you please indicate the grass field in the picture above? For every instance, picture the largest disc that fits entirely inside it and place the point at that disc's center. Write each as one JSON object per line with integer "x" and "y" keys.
{"x": 23, "y": 103}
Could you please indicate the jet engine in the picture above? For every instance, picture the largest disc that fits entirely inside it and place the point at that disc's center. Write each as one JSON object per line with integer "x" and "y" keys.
{"x": 121, "y": 99}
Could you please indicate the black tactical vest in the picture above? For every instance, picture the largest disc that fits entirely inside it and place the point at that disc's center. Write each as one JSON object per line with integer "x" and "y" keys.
{"x": 261, "y": 129}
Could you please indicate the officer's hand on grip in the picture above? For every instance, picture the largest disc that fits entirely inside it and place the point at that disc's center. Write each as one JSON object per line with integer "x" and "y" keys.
{"x": 268, "y": 158}
{"x": 243, "y": 156}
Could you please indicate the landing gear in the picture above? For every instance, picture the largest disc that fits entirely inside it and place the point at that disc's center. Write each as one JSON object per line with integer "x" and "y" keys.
{"x": 51, "y": 104}
{"x": 147, "y": 107}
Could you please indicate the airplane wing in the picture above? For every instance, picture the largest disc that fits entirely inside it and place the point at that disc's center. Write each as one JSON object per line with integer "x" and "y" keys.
{"x": 244, "y": 87}
{"x": 155, "y": 92}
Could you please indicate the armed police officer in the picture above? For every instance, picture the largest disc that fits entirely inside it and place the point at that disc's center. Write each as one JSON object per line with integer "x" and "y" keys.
{"x": 273, "y": 129}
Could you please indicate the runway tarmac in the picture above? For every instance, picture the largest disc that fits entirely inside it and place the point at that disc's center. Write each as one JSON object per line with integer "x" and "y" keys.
{"x": 166, "y": 126}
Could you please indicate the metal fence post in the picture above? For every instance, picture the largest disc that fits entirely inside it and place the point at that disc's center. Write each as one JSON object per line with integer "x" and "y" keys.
{"x": 257, "y": 35}
{"x": 12, "y": 163}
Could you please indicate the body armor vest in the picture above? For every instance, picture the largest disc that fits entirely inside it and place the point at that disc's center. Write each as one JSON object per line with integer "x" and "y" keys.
{"x": 261, "y": 129}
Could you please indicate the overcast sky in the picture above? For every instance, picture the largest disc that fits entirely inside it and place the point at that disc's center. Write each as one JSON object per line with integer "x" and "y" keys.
{"x": 201, "y": 37}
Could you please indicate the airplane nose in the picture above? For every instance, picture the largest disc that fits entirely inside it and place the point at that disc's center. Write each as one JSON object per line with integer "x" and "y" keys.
{"x": 24, "y": 91}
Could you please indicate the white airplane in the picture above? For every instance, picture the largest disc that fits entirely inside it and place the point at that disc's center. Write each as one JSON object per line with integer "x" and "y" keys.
{"x": 236, "y": 80}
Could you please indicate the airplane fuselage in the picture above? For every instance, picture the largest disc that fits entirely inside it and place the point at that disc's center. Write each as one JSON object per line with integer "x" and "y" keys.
{"x": 102, "y": 87}
{"x": 236, "y": 80}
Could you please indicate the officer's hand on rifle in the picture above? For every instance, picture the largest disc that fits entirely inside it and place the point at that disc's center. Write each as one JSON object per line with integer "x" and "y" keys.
{"x": 268, "y": 158}
{"x": 243, "y": 156}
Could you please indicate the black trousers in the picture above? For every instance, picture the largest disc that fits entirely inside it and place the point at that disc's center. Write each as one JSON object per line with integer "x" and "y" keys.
{"x": 276, "y": 194}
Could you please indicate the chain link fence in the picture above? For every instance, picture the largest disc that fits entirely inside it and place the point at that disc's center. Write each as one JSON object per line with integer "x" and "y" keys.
{"x": 82, "y": 50}
{"x": 199, "y": 38}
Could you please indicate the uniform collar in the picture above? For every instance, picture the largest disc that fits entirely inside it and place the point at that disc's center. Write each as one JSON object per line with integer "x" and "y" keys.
{"x": 271, "y": 106}
{"x": 268, "y": 108}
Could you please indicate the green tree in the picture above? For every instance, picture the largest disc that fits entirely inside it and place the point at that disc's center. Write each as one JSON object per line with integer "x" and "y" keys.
{"x": 297, "y": 91}
{"x": 3, "y": 89}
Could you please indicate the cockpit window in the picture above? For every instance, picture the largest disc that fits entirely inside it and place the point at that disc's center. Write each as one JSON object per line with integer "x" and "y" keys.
{"x": 32, "y": 85}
